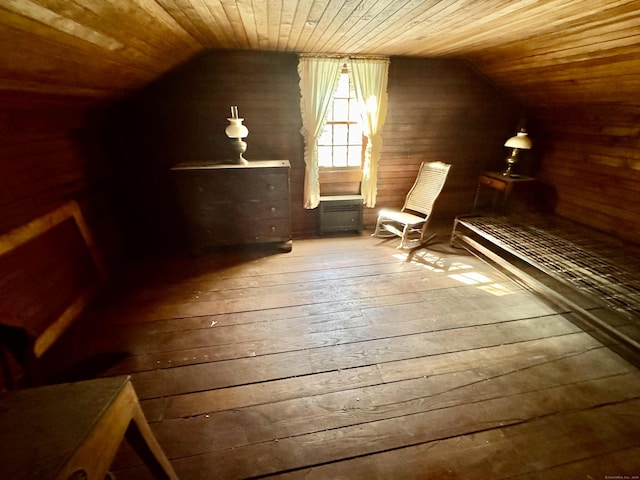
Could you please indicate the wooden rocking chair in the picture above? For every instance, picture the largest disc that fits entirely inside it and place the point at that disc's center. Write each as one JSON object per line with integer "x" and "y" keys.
{"x": 415, "y": 214}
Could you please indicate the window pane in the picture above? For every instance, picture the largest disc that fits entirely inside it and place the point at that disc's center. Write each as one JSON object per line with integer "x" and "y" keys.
{"x": 326, "y": 137}
{"x": 354, "y": 111}
{"x": 340, "y": 134}
{"x": 355, "y": 134}
{"x": 343, "y": 86}
{"x": 330, "y": 111}
{"x": 341, "y": 110}
{"x": 324, "y": 156}
{"x": 355, "y": 156}
{"x": 339, "y": 156}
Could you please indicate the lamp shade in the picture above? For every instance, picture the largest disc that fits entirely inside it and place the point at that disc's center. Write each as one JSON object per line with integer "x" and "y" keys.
{"x": 236, "y": 129}
{"x": 521, "y": 140}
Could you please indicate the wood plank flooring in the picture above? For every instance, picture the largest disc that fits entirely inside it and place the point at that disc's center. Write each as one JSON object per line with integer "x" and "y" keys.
{"x": 346, "y": 359}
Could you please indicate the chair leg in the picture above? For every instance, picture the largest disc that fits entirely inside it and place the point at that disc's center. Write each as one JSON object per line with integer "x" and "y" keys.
{"x": 379, "y": 227}
{"x": 403, "y": 237}
{"x": 377, "y": 231}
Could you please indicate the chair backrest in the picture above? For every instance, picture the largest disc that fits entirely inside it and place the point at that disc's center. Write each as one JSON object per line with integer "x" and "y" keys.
{"x": 427, "y": 187}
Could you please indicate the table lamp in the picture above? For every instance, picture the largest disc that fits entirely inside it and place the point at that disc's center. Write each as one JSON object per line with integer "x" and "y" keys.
{"x": 520, "y": 141}
{"x": 236, "y": 131}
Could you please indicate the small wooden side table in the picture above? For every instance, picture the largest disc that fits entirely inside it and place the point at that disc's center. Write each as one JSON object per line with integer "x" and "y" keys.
{"x": 503, "y": 188}
{"x": 72, "y": 431}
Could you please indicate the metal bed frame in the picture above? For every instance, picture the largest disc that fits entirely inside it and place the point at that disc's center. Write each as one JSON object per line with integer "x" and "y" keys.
{"x": 593, "y": 275}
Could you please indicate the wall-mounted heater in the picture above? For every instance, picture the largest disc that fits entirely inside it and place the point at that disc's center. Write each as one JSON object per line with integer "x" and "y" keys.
{"x": 340, "y": 213}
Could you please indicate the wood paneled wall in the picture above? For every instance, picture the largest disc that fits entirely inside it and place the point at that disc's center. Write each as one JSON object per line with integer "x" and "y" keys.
{"x": 441, "y": 110}
{"x": 590, "y": 164}
{"x": 50, "y": 153}
{"x": 438, "y": 110}
{"x": 182, "y": 118}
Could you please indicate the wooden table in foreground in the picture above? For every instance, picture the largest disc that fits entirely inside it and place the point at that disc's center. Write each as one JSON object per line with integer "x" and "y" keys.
{"x": 73, "y": 431}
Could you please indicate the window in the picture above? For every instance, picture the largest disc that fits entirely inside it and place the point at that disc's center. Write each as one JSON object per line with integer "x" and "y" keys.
{"x": 340, "y": 144}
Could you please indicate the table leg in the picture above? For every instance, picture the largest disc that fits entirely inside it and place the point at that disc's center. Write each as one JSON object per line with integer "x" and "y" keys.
{"x": 141, "y": 438}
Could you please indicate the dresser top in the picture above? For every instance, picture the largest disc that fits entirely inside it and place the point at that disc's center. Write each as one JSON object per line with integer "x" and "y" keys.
{"x": 224, "y": 166}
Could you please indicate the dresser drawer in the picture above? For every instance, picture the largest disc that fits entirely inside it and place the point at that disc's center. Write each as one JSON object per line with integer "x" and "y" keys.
{"x": 204, "y": 234}
{"x": 261, "y": 231}
{"x": 265, "y": 209}
{"x": 268, "y": 186}
{"x": 220, "y": 212}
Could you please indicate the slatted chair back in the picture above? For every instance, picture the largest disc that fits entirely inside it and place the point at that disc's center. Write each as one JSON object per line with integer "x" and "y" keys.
{"x": 428, "y": 185}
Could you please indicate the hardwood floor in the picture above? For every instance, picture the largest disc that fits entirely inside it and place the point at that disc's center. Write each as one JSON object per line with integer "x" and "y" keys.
{"x": 342, "y": 359}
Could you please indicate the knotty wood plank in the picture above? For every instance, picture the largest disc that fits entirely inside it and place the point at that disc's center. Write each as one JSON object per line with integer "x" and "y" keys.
{"x": 68, "y": 26}
{"x": 423, "y": 274}
{"x": 320, "y": 330}
{"x": 360, "y": 20}
{"x": 373, "y": 403}
{"x": 624, "y": 461}
{"x": 521, "y": 46}
{"x": 230, "y": 297}
{"x": 189, "y": 17}
{"x": 297, "y": 452}
{"x": 517, "y": 354}
{"x": 255, "y": 364}
{"x": 264, "y": 273}
{"x": 540, "y": 450}
{"x": 333, "y": 15}
{"x": 323, "y": 335}
{"x": 515, "y": 305}
{"x": 367, "y": 386}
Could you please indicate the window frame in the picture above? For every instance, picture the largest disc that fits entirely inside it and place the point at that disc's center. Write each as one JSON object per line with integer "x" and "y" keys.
{"x": 348, "y": 168}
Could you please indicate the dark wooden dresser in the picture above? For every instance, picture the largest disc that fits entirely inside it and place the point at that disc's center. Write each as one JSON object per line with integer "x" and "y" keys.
{"x": 229, "y": 204}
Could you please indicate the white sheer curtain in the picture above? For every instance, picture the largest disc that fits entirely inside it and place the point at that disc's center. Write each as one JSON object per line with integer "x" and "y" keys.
{"x": 369, "y": 76}
{"x": 318, "y": 81}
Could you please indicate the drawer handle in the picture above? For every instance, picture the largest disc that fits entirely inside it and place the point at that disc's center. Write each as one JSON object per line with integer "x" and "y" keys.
{"x": 271, "y": 187}
{"x": 273, "y": 229}
{"x": 273, "y": 209}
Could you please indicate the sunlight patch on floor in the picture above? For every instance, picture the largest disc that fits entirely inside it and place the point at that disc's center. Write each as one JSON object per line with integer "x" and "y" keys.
{"x": 470, "y": 278}
{"x": 439, "y": 264}
{"x": 483, "y": 283}
{"x": 432, "y": 262}
{"x": 435, "y": 265}
{"x": 496, "y": 289}
{"x": 459, "y": 266}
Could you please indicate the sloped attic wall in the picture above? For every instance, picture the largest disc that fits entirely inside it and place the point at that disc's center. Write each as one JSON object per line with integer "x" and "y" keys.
{"x": 590, "y": 163}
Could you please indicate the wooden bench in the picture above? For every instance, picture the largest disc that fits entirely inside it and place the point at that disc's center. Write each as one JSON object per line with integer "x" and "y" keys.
{"x": 593, "y": 276}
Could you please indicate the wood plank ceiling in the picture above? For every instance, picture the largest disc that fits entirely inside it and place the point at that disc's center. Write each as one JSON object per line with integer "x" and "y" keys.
{"x": 542, "y": 51}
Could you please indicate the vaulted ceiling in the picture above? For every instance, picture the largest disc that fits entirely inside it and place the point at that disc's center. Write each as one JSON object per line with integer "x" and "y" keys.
{"x": 541, "y": 51}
